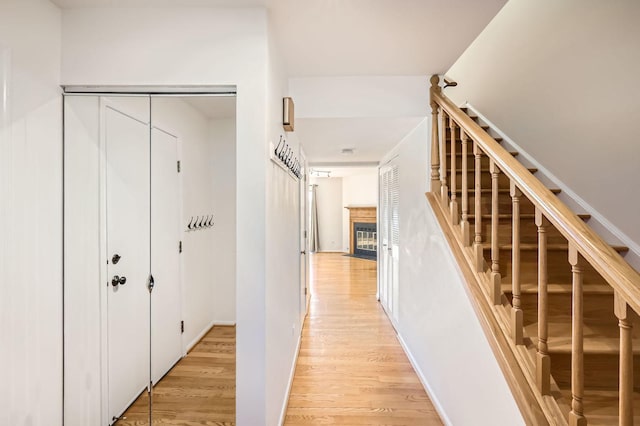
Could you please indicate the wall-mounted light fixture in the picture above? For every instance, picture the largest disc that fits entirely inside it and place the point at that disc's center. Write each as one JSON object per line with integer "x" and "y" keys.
{"x": 287, "y": 114}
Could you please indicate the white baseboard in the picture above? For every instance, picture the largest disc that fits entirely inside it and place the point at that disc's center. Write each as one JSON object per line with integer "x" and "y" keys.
{"x": 224, "y": 323}
{"x": 600, "y": 224}
{"x": 425, "y": 383}
{"x": 283, "y": 411}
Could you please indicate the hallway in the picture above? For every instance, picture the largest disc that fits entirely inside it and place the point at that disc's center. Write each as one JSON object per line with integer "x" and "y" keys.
{"x": 351, "y": 368}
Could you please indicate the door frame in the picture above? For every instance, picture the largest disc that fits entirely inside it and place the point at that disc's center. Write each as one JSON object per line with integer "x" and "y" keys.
{"x": 104, "y": 92}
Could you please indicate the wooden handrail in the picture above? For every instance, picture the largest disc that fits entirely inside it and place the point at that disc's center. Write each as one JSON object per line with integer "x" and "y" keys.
{"x": 614, "y": 269}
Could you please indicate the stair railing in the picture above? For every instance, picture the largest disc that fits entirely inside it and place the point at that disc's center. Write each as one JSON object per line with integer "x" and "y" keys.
{"x": 585, "y": 247}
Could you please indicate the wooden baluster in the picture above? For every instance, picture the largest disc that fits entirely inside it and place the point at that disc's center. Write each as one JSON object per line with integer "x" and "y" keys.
{"x": 543, "y": 360}
{"x": 444, "y": 190}
{"x": 576, "y": 416}
{"x": 496, "y": 290}
{"x": 516, "y": 313}
{"x": 435, "y": 140}
{"x": 477, "y": 240}
{"x": 622, "y": 312}
{"x": 454, "y": 176}
{"x": 464, "y": 226}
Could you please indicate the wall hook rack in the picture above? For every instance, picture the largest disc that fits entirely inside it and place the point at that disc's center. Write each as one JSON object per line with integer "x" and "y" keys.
{"x": 200, "y": 222}
{"x": 284, "y": 156}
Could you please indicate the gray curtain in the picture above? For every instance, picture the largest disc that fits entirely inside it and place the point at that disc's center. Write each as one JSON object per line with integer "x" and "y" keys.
{"x": 314, "y": 243}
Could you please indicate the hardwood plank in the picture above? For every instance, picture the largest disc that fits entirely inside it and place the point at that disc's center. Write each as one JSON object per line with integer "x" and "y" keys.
{"x": 199, "y": 390}
{"x": 351, "y": 368}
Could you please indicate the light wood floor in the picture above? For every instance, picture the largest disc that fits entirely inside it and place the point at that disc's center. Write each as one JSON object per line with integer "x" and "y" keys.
{"x": 351, "y": 369}
{"x": 199, "y": 390}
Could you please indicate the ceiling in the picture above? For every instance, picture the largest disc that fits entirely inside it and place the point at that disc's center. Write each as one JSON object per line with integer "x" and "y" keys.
{"x": 356, "y": 39}
{"x": 370, "y": 137}
{"x": 65, "y": 4}
{"x": 377, "y": 37}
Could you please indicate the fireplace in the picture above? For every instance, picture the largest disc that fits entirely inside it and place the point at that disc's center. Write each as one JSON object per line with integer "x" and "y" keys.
{"x": 363, "y": 216}
{"x": 365, "y": 240}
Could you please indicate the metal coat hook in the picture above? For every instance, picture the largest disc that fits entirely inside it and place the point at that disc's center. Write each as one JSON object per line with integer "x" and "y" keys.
{"x": 284, "y": 156}
{"x": 200, "y": 222}
{"x": 280, "y": 145}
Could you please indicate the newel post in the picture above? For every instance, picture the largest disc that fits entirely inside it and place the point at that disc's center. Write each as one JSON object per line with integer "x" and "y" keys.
{"x": 435, "y": 139}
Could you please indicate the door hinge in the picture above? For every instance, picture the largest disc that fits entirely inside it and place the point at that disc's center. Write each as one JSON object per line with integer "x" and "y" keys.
{"x": 181, "y": 326}
{"x": 180, "y": 247}
{"x": 305, "y": 291}
{"x": 178, "y": 166}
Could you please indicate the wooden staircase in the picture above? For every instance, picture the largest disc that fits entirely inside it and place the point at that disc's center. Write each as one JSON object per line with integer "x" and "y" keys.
{"x": 571, "y": 330}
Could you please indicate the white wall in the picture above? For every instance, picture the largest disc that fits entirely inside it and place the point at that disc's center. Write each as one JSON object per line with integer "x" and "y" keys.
{"x": 560, "y": 79}
{"x": 201, "y": 46}
{"x": 357, "y": 190}
{"x": 435, "y": 319}
{"x": 329, "y": 204}
{"x": 222, "y": 138}
{"x": 30, "y": 214}
{"x": 283, "y": 325}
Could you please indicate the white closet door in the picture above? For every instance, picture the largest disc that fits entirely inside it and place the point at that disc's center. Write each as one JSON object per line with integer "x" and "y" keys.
{"x": 390, "y": 238}
{"x": 166, "y": 336}
{"x": 394, "y": 225}
{"x": 384, "y": 236}
{"x": 127, "y": 243}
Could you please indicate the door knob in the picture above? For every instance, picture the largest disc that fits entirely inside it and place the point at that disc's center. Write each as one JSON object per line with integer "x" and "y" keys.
{"x": 118, "y": 280}
{"x": 115, "y": 259}
{"x": 303, "y": 252}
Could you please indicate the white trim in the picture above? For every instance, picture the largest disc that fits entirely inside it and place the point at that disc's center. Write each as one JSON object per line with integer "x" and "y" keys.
{"x": 602, "y": 224}
{"x": 104, "y": 308}
{"x": 224, "y": 323}
{"x": 285, "y": 404}
{"x": 199, "y": 336}
{"x": 436, "y": 403}
{"x": 191, "y": 90}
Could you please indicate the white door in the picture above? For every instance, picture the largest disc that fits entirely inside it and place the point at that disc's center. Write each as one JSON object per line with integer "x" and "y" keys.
{"x": 166, "y": 336}
{"x": 384, "y": 243}
{"x": 389, "y": 238}
{"x": 304, "y": 246}
{"x": 394, "y": 227}
{"x": 126, "y": 146}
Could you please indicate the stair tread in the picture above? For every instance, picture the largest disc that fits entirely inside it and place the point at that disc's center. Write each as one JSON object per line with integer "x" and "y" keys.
{"x": 550, "y": 247}
{"x": 496, "y": 138}
{"x": 502, "y": 190}
{"x": 487, "y": 170}
{"x": 522, "y": 216}
{"x": 470, "y": 154}
{"x": 560, "y": 288}
{"x": 601, "y": 406}
{"x": 595, "y": 339}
